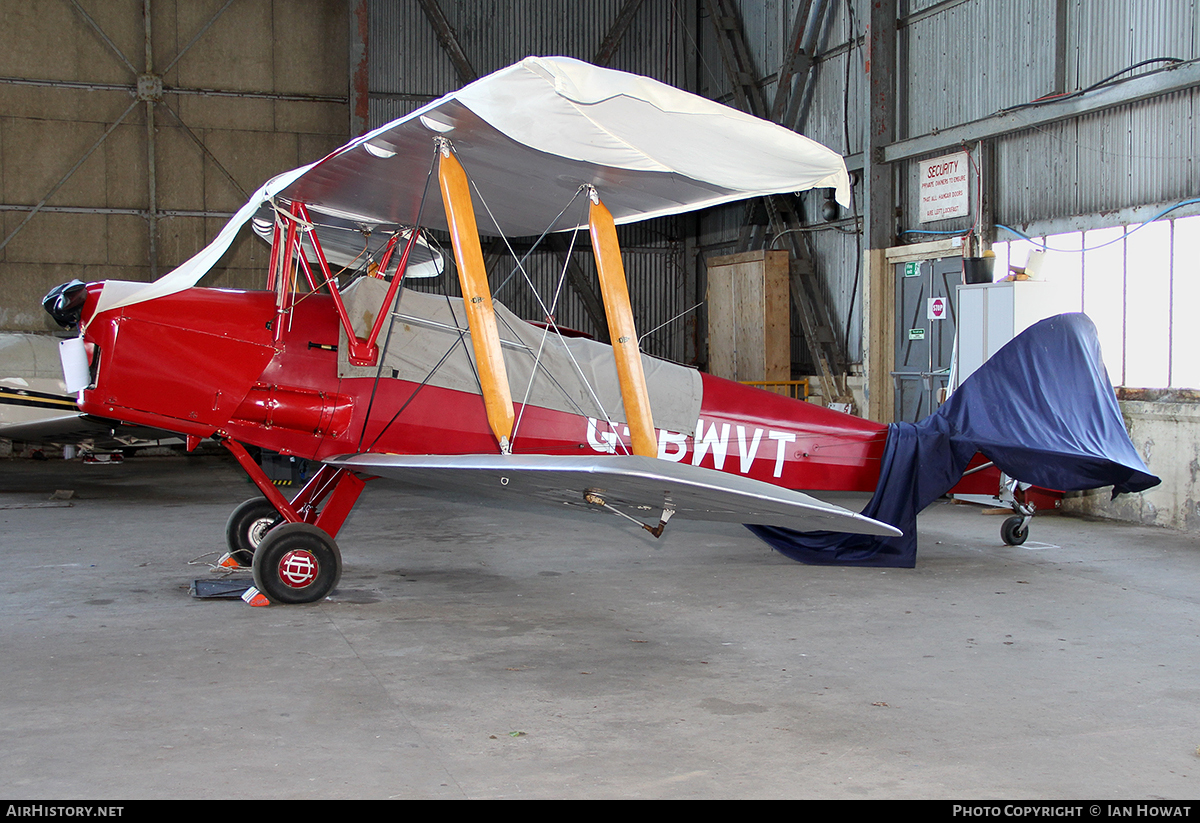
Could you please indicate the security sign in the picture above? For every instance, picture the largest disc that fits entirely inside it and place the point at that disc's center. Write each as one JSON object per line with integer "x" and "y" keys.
{"x": 945, "y": 186}
{"x": 937, "y": 308}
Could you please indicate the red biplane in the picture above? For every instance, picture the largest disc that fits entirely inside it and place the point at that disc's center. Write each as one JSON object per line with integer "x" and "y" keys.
{"x": 374, "y": 380}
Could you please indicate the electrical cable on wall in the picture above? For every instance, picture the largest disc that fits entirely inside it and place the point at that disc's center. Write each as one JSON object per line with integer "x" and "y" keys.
{"x": 1165, "y": 211}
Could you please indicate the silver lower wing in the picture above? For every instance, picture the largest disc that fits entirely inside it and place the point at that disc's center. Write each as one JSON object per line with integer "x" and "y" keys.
{"x": 639, "y": 487}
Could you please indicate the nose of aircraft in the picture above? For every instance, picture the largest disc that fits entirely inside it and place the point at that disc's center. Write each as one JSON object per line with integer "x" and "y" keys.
{"x": 65, "y": 303}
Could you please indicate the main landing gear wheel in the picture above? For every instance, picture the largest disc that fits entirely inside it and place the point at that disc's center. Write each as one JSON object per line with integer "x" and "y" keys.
{"x": 1014, "y": 531}
{"x": 297, "y": 563}
{"x": 247, "y": 527}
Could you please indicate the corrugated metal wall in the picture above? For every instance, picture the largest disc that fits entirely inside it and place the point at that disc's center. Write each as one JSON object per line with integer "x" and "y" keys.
{"x": 958, "y": 61}
{"x": 831, "y": 115}
{"x": 409, "y": 67}
{"x": 978, "y": 57}
{"x": 962, "y": 60}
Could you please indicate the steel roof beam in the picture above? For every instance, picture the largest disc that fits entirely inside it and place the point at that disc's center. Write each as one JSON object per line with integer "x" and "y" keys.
{"x": 1181, "y": 77}
{"x": 448, "y": 38}
{"x": 616, "y": 32}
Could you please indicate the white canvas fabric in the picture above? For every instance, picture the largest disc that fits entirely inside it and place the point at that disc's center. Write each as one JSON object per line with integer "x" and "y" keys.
{"x": 117, "y": 293}
{"x": 530, "y": 136}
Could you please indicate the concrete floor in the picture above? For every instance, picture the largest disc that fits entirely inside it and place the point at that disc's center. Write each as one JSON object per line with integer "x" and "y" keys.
{"x": 475, "y": 652}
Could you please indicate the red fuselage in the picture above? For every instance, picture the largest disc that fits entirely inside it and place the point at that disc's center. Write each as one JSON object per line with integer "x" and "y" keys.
{"x": 207, "y": 361}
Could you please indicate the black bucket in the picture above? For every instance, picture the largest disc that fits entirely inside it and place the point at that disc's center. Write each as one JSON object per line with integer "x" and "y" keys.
{"x": 978, "y": 270}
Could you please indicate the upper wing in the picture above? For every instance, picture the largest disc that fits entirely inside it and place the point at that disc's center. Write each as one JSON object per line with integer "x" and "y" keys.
{"x": 642, "y": 487}
{"x": 531, "y": 134}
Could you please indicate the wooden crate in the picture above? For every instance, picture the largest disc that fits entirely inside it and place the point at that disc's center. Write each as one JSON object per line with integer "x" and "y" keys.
{"x": 749, "y": 334}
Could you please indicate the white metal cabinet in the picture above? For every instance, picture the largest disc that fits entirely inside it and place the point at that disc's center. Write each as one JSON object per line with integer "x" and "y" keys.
{"x": 991, "y": 314}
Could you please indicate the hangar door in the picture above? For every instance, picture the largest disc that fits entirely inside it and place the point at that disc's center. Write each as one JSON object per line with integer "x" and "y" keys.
{"x": 926, "y": 318}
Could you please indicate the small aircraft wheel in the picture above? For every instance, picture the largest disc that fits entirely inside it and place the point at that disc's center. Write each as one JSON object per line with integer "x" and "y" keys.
{"x": 1012, "y": 532}
{"x": 247, "y": 526}
{"x": 297, "y": 563}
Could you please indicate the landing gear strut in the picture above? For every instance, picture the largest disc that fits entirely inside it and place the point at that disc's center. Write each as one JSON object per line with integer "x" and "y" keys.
{"x": 295, "y": 558}
{"x": 1015, "y": 529}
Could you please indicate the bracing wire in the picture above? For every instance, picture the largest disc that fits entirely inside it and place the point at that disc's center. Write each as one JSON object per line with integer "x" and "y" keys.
{"x": 545, "y": 333}
{"x": 392, "y": 319}
{"x": 549, "y": 315}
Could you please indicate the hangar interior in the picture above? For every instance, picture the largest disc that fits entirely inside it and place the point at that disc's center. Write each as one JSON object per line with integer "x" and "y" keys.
{"x": 131, "y": 130}
{"x": 128, "y": 143}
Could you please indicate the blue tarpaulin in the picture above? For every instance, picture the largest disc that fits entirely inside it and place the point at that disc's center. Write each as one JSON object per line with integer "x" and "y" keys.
{"x": 1042, "y": 409}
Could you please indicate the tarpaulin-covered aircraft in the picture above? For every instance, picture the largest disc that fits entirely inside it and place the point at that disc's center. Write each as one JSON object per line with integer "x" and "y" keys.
{"x": 374, "y": 380}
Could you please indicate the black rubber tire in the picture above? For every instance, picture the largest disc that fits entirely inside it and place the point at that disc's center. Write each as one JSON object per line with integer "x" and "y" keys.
{"x": 297, "y": 563}
{"x": 1012, "y": 532}
{"x": 247, "y": 526}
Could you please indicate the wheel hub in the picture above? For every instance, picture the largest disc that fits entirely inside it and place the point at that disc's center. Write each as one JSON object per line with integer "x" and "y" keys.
{"x": 298, "y": 568}
{"x": 258, "y": 530}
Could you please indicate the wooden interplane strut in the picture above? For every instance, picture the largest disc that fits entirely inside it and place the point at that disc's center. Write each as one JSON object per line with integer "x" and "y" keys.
{"x": 477, "y": 296}
{"x": 621, "y": 329}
